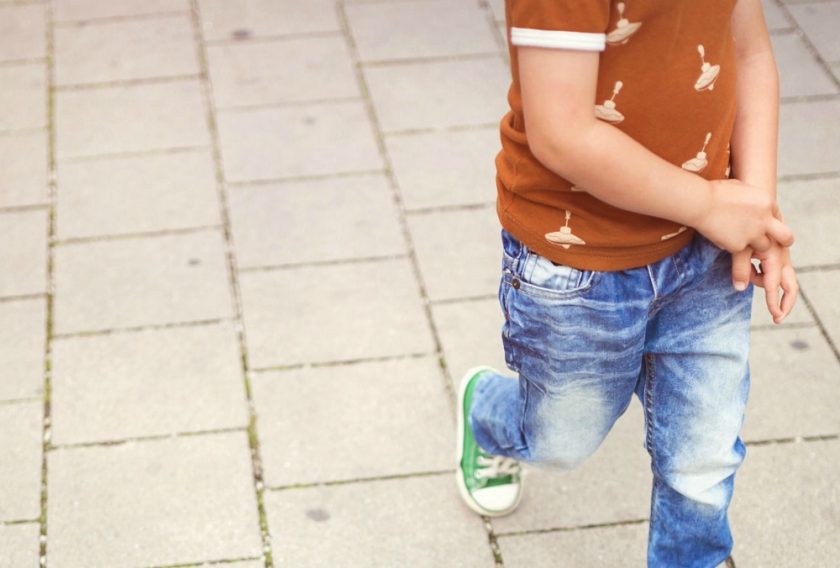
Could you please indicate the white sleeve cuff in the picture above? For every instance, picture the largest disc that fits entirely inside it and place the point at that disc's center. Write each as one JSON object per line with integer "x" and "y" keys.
{"x": 586, "y": 41}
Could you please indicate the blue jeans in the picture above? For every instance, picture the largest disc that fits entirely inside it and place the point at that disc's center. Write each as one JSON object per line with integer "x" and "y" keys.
{"x": 675, "y": 333}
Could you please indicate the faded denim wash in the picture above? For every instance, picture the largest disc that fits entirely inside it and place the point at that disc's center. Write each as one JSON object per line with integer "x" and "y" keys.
{"x": 675, "y": 333}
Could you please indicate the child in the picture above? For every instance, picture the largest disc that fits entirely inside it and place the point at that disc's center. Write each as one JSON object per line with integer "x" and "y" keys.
{"x": 618, "y": 224}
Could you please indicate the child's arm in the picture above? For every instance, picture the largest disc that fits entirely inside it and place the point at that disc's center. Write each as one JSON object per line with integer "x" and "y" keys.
{"x": 565, "y": 136}
{"x": 753, "y": 146}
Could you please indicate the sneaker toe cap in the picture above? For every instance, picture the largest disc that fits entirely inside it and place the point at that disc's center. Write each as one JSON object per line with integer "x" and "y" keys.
{"x": 498, "y": 498}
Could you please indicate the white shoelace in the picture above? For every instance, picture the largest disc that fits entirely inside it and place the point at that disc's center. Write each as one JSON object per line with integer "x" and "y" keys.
{"x": 496, "y": 466}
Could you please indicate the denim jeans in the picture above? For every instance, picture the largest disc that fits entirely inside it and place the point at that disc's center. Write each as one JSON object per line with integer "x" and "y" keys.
{"x": 675, "y": 333}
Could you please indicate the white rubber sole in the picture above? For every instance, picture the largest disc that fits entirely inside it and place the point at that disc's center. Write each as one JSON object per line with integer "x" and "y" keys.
{"x": 459, "y": 453}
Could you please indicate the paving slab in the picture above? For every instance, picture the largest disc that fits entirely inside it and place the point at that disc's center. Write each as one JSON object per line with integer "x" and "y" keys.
{"x": 173, "y": 501}
{"x": 786, "y": 508}
{"x": 23, "y": 171}
{"x": 322, "y": 220}
{"x": 23, "y": 325}
{"x": 795, "y": 385}
{"x": 611, "y": 486}
{"x": 146, "y": 383}
{"x": 222, "y": 19}
{"x": 775, "y": 17}
{"x": 497, "y": 7}
{"x": 455, "y": 93}
{"x": 462, "y": 266}
{"x": 78, "y": 10}
{"x": 23, "y": 252}
{"x": 471, "y": 334}
{"x": 426, "y": 28}
{"x": 302, "y": 140}
{"x": 366, "y": 524}
{"x": 122, "y": 50}
{"x": 341, "y": 312}
{"x": 133, "y": 282}
{"x": 800, "y": 74}
{"x": 440, "y": 169}
{"x": 623, "y": 546}
{"x": 23, "y": 31}
{"x": 819, "y": 22}
{"x": 821, "y": 289}
{"x": 20, "y": 545}
{"x": 246, "y": 73}
{"x": 354, "y": 421}
{"x": 136, "y": 194}
{"x": 808, "y": 138}
{"x": 20, "y": 462}
{"x": 23, "y": 98}
{"x": 136, "y": 118}
{"x": 808, "y": 207}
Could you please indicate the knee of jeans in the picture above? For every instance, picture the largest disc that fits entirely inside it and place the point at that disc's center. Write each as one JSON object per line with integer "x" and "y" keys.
{"x": 706, "y": 479}
{"x": 563, "y": 450}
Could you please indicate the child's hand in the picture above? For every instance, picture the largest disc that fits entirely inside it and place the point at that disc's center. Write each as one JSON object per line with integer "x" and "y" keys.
{"x": 776, "y": 271}
{"x": 741, "y": 216}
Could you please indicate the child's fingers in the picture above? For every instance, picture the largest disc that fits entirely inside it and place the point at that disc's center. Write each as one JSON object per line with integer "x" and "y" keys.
{"x": 772, "y": 281}
{"x": 790, "y": 287}
{"x": 741, "y": 268}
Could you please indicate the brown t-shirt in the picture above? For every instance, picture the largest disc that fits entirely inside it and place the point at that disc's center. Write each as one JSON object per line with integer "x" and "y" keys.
{"x": 666, "y": 77}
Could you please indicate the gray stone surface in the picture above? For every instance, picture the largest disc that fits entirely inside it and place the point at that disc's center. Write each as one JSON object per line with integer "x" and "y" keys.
{"x": 247, "y": 73}
{"x": 77, "y": 10}
{"x": 775, "y": 16}
{"x": 23, "y": 98}
{"x": 266, "y": 18}
{"x": 439, "y": 169}
{"x": 819, "y": 22}
{"x": 794, "y": 385}
{"x": 470, "y": 334}
{"x": 356, "y": 310}
{"x": 623, "y": 546}
{"x": 455, "y": 93}
{"x": 146, "y": 383}
{"x": 497, "y": 7}
{"x": 22, "y": 31}
{"x": 799, "y": 72}
{"x": 786, "y": 510}
{"x": 611, "y": 486}
{"x": 426, "y": 28}
{"x": 172, "y": 501}
{"x": 23, "y": 171}
{"x": 23, "y": 325}
{"x": 821, "y": 289}
{"x": 118, "y": 50}
{"x": 460, "y": 252}
{"x": 23, "y": 252}
{"x": 417, "y": 521}
{"x": 140, "y": 281}
{"x": 297, "y": 141}
{"x": 139, "y": 118}
{"x": 315, "y": 220}
{"x": 19, "y": 544}
{"x": 362, "y": 420}
{"x": 808, "y": 138}
{"x": 809, "y": 207}
{"x": 20, "y": 461}
{"x": 136, "y": 194}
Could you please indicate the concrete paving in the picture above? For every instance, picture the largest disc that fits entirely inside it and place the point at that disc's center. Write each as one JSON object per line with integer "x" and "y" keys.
{"x": 249, "y": 247}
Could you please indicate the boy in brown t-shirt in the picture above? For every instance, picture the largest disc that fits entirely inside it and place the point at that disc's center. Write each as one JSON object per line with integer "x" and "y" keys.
{"x": 635, "y": 184}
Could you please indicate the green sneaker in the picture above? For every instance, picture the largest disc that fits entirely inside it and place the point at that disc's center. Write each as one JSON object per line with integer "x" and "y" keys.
{"x": 489, "y": 485}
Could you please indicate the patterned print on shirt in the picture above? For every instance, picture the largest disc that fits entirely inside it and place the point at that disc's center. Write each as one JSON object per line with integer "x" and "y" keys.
{"x": 564, "y": 237}
{"x": 607, "y": 111}
{"x": 623, "y": 29}
{"x": 699, "y": 162}
{"x": 674, "y": 234}
{"x": 708, "y": 72}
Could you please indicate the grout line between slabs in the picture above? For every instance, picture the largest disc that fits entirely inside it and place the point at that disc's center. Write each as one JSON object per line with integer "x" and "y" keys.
{"x": 140, "y": 328}
{"x": 805, "y": 300}
{"x": 221, "y": 562}
{"x": 403, "y": 222}
{"x": 314, "y": 484}
{"x": 291, "y": 36}
{"x": 809, "y": 45}
{"x": 136, "y": 154}
{"x": 136, "y": 235}
{"x": 46, "y": 434}
{"x": 128, "y": 83}
{"x": 146, "y": 438}
{"x": 104, "y": 20}
{"x": 342, "y": 362}
{"x": 233, "y": 275}
{"x": 589, "y": 526}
